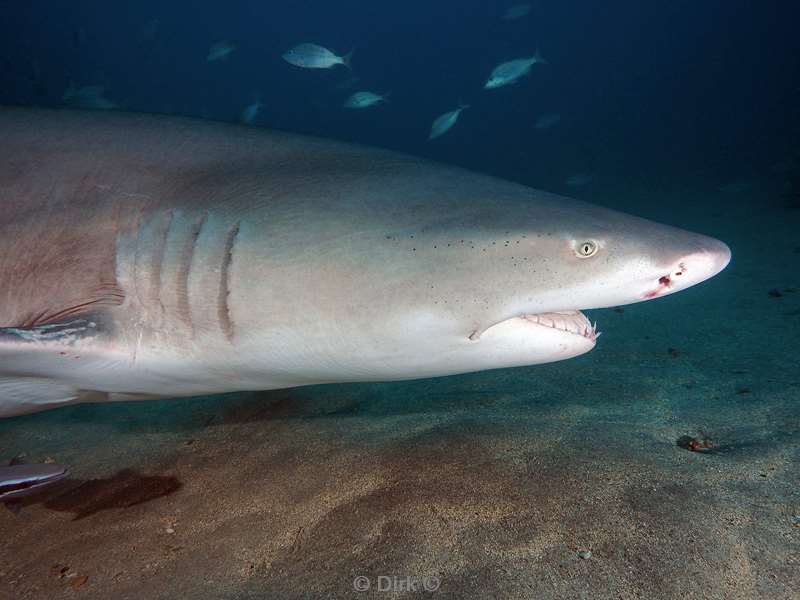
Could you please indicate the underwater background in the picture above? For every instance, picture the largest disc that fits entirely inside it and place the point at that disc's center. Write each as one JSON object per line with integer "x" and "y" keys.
{"x": 565, "y": 480}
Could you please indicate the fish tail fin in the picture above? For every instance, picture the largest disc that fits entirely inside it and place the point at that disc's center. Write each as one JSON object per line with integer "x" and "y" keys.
{"x": 347, "y": 59}
{"x": 538, "y": 58}
{"x": 385, "y": 97}
{"x": 462, "y": 105}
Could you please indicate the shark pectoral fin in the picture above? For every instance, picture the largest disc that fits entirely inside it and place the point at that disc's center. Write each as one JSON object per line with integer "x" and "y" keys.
{"x": 59, "y": 312}
{"x": 23, "y": 395}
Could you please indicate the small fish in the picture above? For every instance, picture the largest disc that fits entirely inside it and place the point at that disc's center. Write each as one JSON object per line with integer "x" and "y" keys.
{"x": 364, "y": 100}
{"x": 509, "y": 72}
{"x": 88, "y": 96}
{"x": 250, "y": 112}
{"x": 443, "y": 123}
{"x": 313, "y": 56}
{"x": 547, "y": 121}
{"x": 578, "y": 180}
{"x": 517, "y": 12}
{"x": 220, "y": 51}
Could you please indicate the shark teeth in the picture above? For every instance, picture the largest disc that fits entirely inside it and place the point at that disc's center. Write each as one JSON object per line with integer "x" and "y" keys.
{"x": 571, "y": 322}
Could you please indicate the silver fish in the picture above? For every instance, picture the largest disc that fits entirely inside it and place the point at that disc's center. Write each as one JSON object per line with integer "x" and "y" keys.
{"x": 314, "y": 56}
{"x": 444, "y": 122}
{"x": 509, "y": 72}
{"x": 250, "y": 112}
{"x": 88, "y": 96}
{"x": 220, "y": 51}
{"x": 547, "y": 121}
{"x": 364, "y": 100}
{"x": 517, "y": 12}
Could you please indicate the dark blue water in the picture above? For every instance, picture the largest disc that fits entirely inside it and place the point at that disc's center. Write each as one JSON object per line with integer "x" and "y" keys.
{"x": 685, "y": 111}
{"x": 704, "y": 89}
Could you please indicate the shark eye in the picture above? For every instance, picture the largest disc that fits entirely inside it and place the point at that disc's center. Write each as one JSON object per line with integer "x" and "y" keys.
{"x": 587, "y": 249}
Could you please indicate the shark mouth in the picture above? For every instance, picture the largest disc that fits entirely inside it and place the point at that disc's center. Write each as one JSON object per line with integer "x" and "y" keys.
{"x": 568, "y": 321}
{"x": 572, "y": 321}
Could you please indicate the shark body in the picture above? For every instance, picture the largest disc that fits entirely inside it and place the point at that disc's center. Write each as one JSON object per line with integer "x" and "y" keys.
{"x": 146, "y": 257}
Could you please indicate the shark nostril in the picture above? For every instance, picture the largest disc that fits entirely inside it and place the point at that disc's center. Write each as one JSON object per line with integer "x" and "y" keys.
{"x": 664, "y": 284}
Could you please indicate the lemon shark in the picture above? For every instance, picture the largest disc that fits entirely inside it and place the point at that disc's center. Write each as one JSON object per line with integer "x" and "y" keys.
{"x": 145, "y": 256}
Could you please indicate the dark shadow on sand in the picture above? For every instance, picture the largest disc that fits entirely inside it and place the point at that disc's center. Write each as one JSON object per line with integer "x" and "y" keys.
{"x": 376, "y": 400}
{"x": 126, "y": 488}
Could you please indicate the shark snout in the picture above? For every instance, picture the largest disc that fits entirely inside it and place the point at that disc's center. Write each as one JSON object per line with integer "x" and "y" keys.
{"x": 706, "y": 260}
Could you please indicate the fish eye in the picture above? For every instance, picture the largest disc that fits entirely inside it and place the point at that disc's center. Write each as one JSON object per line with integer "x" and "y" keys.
{"x": 587, "y": 248}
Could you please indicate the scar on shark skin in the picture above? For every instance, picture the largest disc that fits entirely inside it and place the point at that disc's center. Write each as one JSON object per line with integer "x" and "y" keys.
{"x": 665, "y": 282}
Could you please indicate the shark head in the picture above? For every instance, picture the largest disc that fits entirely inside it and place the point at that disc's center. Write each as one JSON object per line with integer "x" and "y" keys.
{"x": 447, "y": 272}
{"x": 574, "y": 256}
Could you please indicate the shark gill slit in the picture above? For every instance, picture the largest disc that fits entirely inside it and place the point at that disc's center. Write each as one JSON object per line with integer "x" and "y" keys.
{"x": 139, "y": 246}
{"x": 184, "y": 310}
{"x": 158, "y": 256}
{"x": 223, "y": 307}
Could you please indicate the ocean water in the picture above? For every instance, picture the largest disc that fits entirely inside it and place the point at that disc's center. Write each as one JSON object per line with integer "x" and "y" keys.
{"x": 565, "y": 480}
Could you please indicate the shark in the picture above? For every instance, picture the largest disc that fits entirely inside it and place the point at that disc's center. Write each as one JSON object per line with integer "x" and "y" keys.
{"x": 146, "y": 256}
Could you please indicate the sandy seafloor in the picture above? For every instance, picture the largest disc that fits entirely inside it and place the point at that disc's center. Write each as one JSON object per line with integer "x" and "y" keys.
{"x": 491, "y": 482}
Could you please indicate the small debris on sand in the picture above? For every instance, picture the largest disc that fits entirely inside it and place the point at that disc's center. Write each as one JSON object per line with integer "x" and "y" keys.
{"x": 695, "y": 444}
{"x": 673, "y": 352}
{"x": 743, "y": 390}
{"x": 584, "y": 554}
{"x": 766, "y": 473}
{"x": 79, "y": 582}
{"x": 61, "y": 571}
{"x": 19, "y": 459}
{"x": 775, "y": 293}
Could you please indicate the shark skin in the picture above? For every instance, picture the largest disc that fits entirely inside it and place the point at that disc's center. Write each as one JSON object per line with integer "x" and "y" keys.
{"x": 146, "y": 257}
{"x": 17, "y": 481}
